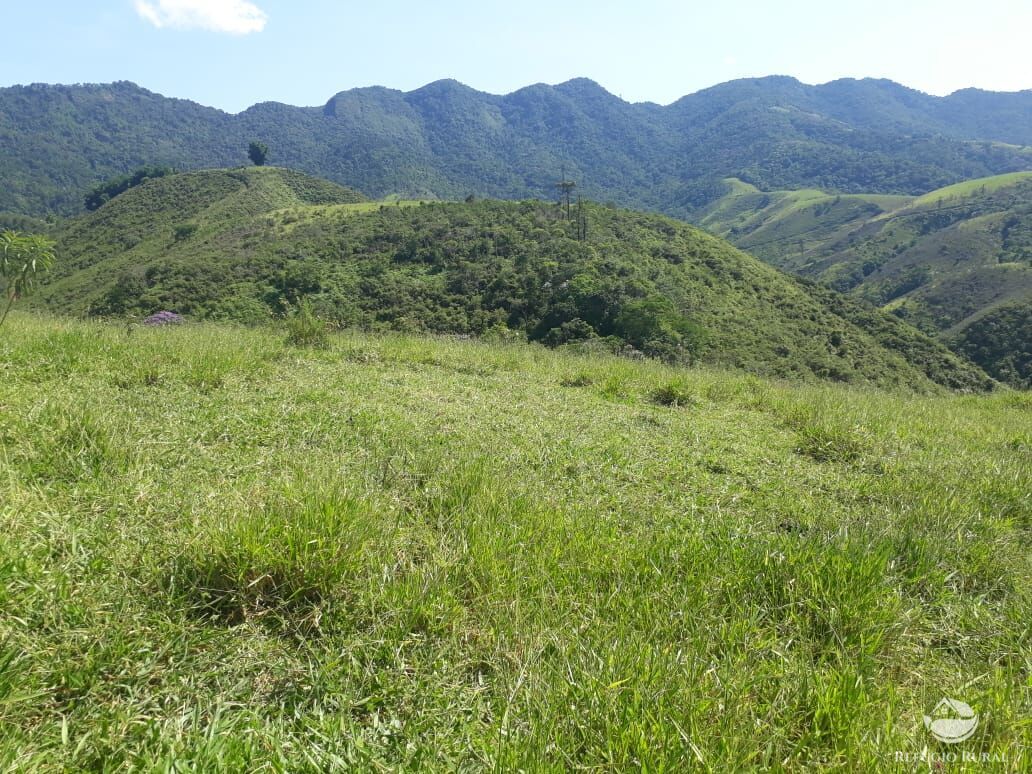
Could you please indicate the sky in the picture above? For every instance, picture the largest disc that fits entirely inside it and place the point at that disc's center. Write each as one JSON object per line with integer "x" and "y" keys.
{"x": 231, "y": 54}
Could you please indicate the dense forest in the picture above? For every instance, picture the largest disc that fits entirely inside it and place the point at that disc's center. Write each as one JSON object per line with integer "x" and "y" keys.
{"x": 446, "y": 140}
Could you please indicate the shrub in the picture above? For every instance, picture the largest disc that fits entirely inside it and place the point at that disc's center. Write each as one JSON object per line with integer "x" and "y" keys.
{"x": 184, "y": 231}
{"x": 673, "y": 394}
{"x": 304, "y": 329}
{"x": 572, "y": 330}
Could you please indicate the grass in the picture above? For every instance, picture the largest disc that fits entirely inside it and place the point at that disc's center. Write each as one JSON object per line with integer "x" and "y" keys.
{"x": 304, "y": 329}
{"x": 291, "y": 218}
{"x": 220, "y": 552}
{"x": 970, "y": 187}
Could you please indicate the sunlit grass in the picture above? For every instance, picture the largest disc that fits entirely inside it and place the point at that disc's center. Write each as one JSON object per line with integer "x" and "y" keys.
{"x": 219, "y": 551}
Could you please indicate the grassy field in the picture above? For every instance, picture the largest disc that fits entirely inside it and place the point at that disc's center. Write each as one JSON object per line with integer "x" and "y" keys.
{"x": 784, "y": 227}
{"x": 219, "y": 552}
{"x": 969, "y": 187}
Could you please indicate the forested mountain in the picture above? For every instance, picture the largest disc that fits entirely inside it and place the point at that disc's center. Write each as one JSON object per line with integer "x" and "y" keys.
{"x": 446, "y": 140}
{"x": 250, "y": 244}
{"x": 956, "y": 262}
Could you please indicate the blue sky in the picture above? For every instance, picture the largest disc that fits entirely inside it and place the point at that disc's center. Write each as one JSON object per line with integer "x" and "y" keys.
{"x": 233, "y": 53}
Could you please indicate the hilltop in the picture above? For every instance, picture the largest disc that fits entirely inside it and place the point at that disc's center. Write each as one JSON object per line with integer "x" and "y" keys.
{"x": 222, "y": 553}
{"x": 217, "y": 244}
{"x": 446, "y": 140}
{"x": 956, "y": 262}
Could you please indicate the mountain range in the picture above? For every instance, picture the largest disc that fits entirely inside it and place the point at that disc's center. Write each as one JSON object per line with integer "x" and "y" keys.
{"x": 446, "y": 140}
{"x": 913, "y": 203}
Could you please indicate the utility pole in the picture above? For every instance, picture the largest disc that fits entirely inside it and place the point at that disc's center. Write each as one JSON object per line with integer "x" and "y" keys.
{"x": 565, "y": 189}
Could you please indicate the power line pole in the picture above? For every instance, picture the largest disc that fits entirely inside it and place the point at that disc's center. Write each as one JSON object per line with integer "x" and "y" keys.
{"x": 565, "y": 189}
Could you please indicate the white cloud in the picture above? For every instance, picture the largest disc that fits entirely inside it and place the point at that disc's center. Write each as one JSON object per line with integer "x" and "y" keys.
{"x": 236, "y": 17}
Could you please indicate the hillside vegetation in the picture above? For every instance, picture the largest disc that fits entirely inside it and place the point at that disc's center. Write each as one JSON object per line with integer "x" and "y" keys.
{"x": 244, "y": 245}
{"x": 219, "y": 553}
{"x": 944, "y": 261}
{"x": 446, "y": 140}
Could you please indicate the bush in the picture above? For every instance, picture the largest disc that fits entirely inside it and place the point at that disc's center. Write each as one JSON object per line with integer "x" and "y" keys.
{"x": 304, "y": 329}
{"x": 573, "y": 330}
{"x": 673, "y": 394}
{"x": 184, "y": 231}
{"x": 654, "y": 326}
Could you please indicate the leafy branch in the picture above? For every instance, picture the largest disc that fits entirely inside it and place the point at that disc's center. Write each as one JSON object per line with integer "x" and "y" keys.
{"x": 22, "y": 258}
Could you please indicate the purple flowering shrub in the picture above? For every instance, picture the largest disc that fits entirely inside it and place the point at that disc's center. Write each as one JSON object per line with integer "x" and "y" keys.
{"x": 164, "y": 318}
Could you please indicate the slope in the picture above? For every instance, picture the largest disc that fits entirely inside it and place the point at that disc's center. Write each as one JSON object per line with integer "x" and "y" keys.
{"x": 632, "y": 280}
{"x": 407, "y": 553}
{"x": 785, "y": 228}
{"x": 942, "y": 261}
{"x": 946, "y": 261}
{"x": 148, "y": 219}
{"x": 446, "y": 140}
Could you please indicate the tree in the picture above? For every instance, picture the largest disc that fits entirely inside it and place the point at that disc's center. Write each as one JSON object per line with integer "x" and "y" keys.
{"x": 109, "y": 189}
{"x": 655, "y": 326}
{"x": 258, "y": 152}
{"x": 22, "y": 257}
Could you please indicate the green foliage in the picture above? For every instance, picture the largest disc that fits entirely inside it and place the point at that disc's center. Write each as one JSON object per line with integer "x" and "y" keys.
{"x": 108, "y": 190}
{"x": 184, "y": 231}
{"x": 13, "y": 222}
{"x": 445, "y": 140}
{"x": 407, "y": 553}
{"x": 304, "y": 329}
{"x": 657, "y": 328}
{"x": 124, "y": 297}
{"x": 569, "y": 331}
{"x": 940, "y": 262}
{"x": 640, "y": 283}
{"x": 1000, "y": 341}
{"x": 258, "y": 153}
{"x": 22, "y": 258}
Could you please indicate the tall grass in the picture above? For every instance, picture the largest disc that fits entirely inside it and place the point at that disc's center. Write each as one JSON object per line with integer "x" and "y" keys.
{"x": 218, "y": 552}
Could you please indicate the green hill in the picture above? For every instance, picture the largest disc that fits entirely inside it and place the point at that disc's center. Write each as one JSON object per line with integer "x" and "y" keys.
{"x": 244, "y": 245}
{"x": 1000, "y": 340}
{"x": 786, "y": 228}
{"x": 219, "y": 553}
{"x": 168, "y": 213}
{"x": 446, "y": 140}
{"x": 941, "y": 261}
